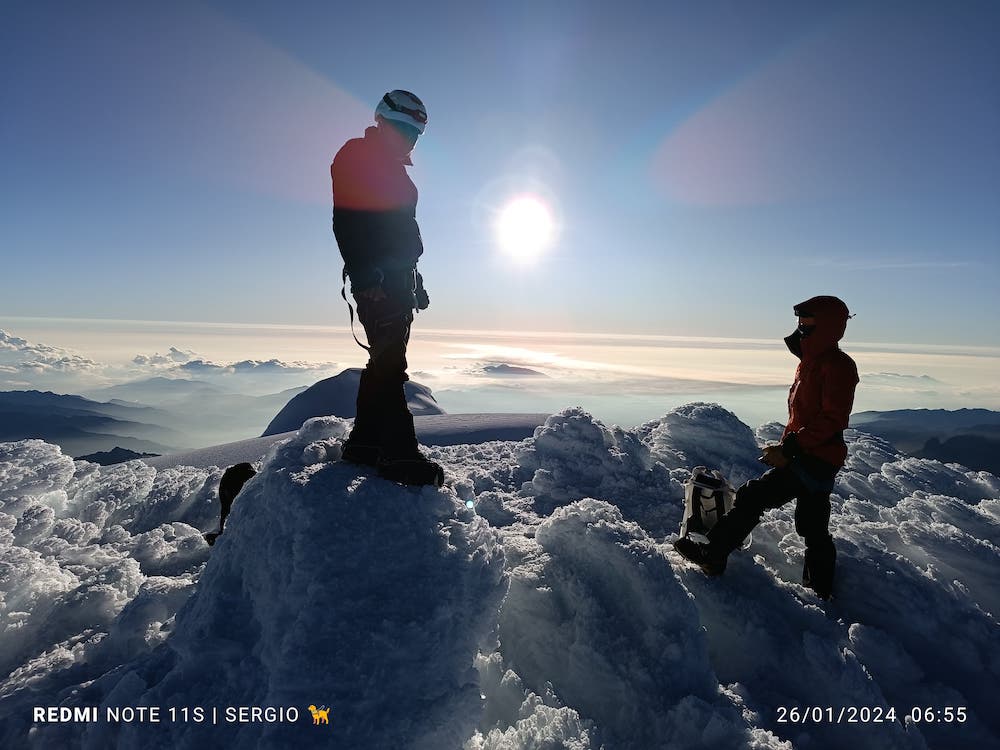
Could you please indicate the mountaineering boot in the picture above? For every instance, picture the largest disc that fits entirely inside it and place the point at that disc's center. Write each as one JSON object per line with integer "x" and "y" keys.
{"x": 823, "y": 591}
{"x": 818, "y": 566}
{"x": 364, "y": 455}
{"x": 410, "y": 468}
{"x": 701, "y": 555}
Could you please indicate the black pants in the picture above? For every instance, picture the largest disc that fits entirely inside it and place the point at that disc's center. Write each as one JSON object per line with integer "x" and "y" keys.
{"x": 812, "y": 520}
{"x": 383, "y": 418}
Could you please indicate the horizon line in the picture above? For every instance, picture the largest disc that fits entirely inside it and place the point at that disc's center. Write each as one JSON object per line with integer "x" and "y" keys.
{"x": 971, "y": 349}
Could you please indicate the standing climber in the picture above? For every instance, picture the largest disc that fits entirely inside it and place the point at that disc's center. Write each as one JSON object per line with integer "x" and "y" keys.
{"x": 811, "y": 451}
{"x": 374, "y": 221}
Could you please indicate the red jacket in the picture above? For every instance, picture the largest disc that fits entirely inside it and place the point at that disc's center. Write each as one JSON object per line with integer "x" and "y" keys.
{"x": 821, "y": 398}
{"x": 374, "y": 209}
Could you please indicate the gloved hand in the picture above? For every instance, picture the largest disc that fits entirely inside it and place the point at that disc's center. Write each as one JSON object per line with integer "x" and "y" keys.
{"x": 422, "y": 299}
{"x": 774, "y": 457}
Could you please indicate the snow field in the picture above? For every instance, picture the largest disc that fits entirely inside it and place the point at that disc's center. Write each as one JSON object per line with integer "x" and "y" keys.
{"x": 553, "y": 615}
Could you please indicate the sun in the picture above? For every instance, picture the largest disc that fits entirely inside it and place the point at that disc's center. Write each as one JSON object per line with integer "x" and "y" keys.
{"x": 525, "y": 227}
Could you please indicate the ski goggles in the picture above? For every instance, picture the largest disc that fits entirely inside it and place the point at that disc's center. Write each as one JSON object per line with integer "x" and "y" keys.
{"x": 418, "y": 115}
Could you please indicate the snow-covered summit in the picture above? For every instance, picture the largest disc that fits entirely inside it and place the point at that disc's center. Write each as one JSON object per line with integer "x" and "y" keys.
{"x": 338, "y": 395}
{"x": 532, "y": 602}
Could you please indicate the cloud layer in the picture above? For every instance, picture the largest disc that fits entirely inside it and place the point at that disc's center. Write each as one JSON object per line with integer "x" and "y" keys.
{"x": 27, "y": 365}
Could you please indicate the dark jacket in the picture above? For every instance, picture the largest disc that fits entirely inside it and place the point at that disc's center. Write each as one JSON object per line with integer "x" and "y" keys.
{"x": 822, "y": 396}
{"x": 374, "y": 210}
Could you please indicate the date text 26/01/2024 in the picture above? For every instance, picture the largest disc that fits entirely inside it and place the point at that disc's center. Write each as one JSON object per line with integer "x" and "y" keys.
{"x": 869, "y": 715}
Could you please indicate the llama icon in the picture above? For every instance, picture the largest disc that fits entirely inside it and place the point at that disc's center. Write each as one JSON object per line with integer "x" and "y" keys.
{"x": 320, "y": 715}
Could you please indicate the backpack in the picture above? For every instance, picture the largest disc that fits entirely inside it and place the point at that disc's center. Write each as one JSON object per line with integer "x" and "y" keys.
{"x": 707, "y": 497}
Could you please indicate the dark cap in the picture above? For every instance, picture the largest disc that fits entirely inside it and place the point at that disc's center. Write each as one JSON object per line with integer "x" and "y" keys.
{"x": 822, "y": 306}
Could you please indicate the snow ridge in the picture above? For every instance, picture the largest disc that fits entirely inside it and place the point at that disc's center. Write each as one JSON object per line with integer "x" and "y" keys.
{"x": 552, "y": 613}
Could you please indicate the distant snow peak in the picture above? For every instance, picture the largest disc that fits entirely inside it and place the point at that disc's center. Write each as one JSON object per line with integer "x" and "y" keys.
{"x": 338, "y": 395}
{"x": 504, "y": 370}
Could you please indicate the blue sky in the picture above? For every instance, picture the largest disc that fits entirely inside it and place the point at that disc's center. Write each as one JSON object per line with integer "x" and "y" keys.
{"x": 710, "y": 164}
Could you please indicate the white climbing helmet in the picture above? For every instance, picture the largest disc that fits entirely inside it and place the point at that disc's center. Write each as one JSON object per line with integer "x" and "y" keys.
{"x": 402, "y": 106}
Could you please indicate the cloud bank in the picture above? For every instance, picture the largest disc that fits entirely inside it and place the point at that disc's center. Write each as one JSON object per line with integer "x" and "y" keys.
{"x": 24, "y": 363}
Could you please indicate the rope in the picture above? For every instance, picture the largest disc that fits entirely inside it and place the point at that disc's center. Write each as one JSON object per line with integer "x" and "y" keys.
{"x": 343, "y": 293}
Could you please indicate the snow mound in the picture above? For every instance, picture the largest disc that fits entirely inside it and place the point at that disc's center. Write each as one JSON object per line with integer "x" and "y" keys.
{"x": 517, "y": 719}
{"x": 328, "y": 589}
{"x": 86, "y": 555}
{"x": 334, "y": 588}
{"x": 34, "y": 469}
{"x": 597, "y": 618}
{"x": 702, "y": 434}
{"x": 573, "y": 456}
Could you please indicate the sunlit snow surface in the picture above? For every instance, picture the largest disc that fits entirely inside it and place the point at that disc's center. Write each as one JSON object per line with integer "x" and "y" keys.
{"x": 553, "y": 614}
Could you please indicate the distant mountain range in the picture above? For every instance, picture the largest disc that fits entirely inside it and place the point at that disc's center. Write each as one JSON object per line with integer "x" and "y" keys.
{"x": 206, "y": 414}
{"x": 79, "y": 425}
{"x": 156, "y": 390}
{"x": 970, "y": 437}
{"x": 190, "y": 414}
{"x": 185, "y": 414}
